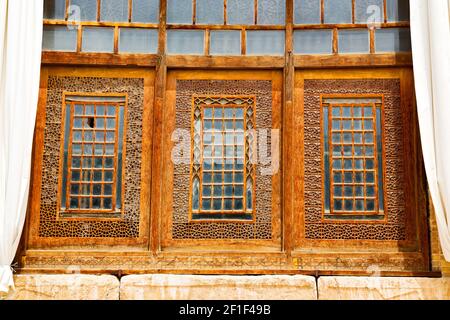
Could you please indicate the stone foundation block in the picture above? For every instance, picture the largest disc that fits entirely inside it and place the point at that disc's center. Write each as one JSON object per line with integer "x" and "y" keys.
{"x": 196, "y": 287}
{"x": 383, "y": 288}
{"x": 64, "y": 287}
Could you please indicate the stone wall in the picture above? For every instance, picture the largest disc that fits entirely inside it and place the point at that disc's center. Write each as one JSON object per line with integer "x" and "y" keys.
{"x": 194, "y": 287}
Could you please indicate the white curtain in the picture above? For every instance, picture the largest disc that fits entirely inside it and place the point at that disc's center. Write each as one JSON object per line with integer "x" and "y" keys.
{"x": 430, "y": 36}
{"x": 20, "y": 59}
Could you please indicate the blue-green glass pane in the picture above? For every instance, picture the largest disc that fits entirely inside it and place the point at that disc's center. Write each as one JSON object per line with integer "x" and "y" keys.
{"x": 338, "y": 11}
{"x": 307, "y": 11}
{"x": 271, "y": 12}
{"x": 114, "y": 10}
{"x": 240, "y": 12}
{"x": 145, "y": 11}
{"x": 209, "y": 12}
{"x": 83, "y": 10}
{"x": 179, "y": 11}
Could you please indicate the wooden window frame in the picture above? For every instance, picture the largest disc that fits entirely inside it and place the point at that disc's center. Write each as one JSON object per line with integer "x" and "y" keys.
{"x": 68, "y": 212}
{"x": 336, "y": 27}
{"x": 364, "y": 215}
{"x": 248, "y": 165}
{"x": 80, "y": 25}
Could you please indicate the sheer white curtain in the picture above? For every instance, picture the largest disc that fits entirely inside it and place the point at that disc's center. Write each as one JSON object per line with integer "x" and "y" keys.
{"x": 430, "y": 35}
{"x": 20, "y": 59}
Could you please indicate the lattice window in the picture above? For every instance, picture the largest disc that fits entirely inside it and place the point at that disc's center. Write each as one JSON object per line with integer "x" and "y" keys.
{"x": 222, "y": 173}
{"x": 93, "y": 152}
{"x": 353, "y": 157}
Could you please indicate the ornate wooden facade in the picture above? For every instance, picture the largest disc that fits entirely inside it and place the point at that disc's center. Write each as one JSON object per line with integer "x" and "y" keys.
{"x": 289, "y": 214}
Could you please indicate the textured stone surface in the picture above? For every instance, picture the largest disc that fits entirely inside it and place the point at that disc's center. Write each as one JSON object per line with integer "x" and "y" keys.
{"x": 65, "y": 287}
{"x": 192, "y": 287}
{"x": 383, "y": 288}
{"x": 196, "y": 287}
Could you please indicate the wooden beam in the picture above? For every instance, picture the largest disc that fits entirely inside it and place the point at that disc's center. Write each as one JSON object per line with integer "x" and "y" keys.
{"x": 335, "y": 41}
{"x": 229, "y": 62}
{"x": 354, "y": 60}
{"x": 227, "y": 27}
{"x": 102, "y": 24}
{"x": 243, "y": 42}
{"x": 287, "y": 192}
{"x": 130, "y": 10}
{"x": 207, "y": 42}
{"x": 350, "y": 26}
{"x": 250, "y": 62}
{"x": 372, "y": 40}
{"x": 116, "y": 39}
{"x": 98, "y": 59}
{"x": 158, "y": 117}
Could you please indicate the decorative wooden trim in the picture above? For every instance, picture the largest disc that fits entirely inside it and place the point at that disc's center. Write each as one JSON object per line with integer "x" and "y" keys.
{"x": 222, "y": 262}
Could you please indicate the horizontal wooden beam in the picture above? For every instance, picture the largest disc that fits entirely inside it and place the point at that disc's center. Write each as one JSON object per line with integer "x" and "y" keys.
{"x": 350, "y": 26}
{"x": 108, "y": 59}
{"x": 316, "y": 273}
{"x": 353, "y": 60}
{"x": 257, "y": 62}
{"x": 251, "y": 62}
{"x": 101, "y": 24}
{"x": 225, "y": 27}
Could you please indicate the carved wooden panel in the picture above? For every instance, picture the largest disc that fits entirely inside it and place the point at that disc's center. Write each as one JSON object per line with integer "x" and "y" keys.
{"x": 261, "y": 227}
{"x": 52, "y": 227}
{"x": 393, "y": 228}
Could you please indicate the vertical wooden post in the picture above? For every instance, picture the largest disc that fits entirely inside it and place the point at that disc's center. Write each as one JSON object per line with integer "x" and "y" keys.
{"x": 99, "y": 5}
{"x": 287, "y": 147}
{"x": 130, "y": 10}
{"x": 116, "y": 39}
{"x": 372, "y": 39}
{"x": 158, "y": 123}
{"x": 335, "y": 41}
{"x": 353, "y": 11}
